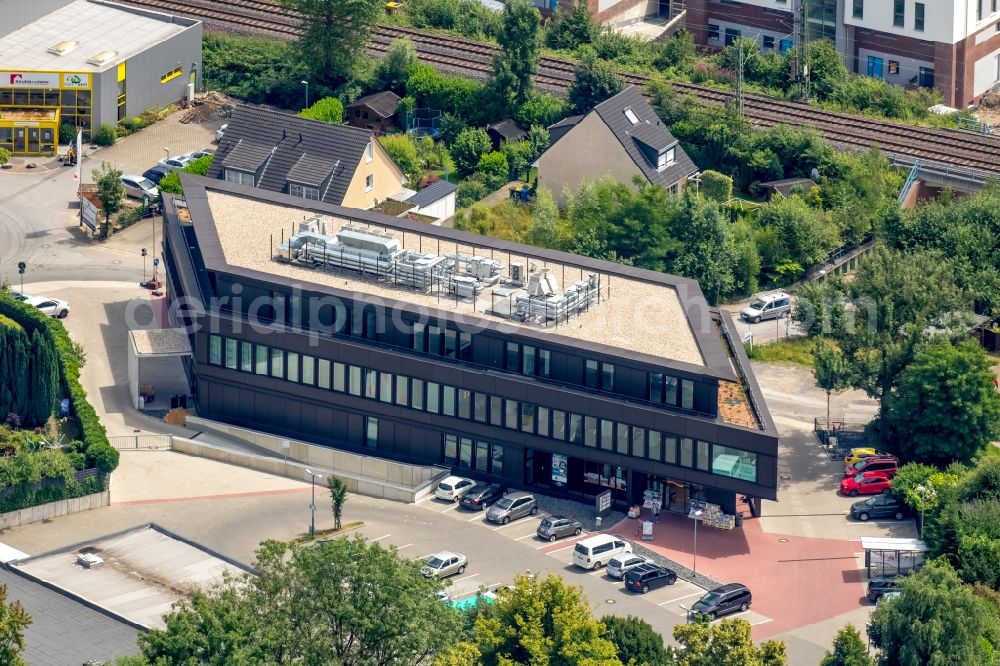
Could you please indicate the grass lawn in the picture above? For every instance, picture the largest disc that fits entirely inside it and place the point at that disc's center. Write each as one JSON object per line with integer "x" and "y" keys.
{"x": 797, "y": 350}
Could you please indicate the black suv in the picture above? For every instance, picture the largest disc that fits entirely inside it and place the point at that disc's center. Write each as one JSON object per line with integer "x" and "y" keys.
{"x": 723, "y": 600}
{"x": 646, "y": 577}
{"x": 481, "y": 496}
{"x": 880, "y": 506}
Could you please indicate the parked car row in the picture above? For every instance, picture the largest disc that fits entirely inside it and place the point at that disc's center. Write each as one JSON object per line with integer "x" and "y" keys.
{"x": 868, "y": 472}
{"x": 148, "y": 182}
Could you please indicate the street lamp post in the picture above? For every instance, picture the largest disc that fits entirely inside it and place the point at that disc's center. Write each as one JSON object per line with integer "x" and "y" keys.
{"x": 697, "y": 516}
{"x": 144, "y": 265}
{"x": 306, "y": 84}
{"x": 312, "y": 506}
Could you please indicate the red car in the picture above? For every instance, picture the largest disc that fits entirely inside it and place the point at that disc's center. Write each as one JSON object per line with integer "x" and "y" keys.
{"x": 866, "y": 483}
{"x": 884, "y": 464}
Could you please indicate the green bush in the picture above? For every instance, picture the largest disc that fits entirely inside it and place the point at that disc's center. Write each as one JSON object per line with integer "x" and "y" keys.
{"x": 716, "y": 186}
{"x": 132, "y": 124}
{"x": 106, "y": 135}
{"x": 67, "y": 133}
{"x": 493, "y": 169}
{"x": 328, "y": 110}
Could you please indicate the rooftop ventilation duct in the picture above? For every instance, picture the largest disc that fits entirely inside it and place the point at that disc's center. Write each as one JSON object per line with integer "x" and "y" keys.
{"x": 101, "y": 57}
{"x": 63, "y": 47}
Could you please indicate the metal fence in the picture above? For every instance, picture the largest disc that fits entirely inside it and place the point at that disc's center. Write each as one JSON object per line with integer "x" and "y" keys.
{"x": 49, "y": 482}
{"x": 142, "y": 442}
{"x": 841, "y": 437}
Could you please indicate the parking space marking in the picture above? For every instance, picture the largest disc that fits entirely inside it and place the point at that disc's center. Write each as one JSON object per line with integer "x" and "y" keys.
{"x": 556, "y": 550}
{"x": 595, "y": 572}
{"x": 384, "y": 536}
{"x": 526, "y": 536}
{"x": 459, "y": 580}
{"x": 404, "y": 546}
{"x": 686, "y": 596}
{"x": 478, "y": 516}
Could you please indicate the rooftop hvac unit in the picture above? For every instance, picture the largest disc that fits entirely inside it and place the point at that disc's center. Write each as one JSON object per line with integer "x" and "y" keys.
{"x": 542, "y": 284}
{"x": 517, "y": 274}
{"x": 89, "y": 560}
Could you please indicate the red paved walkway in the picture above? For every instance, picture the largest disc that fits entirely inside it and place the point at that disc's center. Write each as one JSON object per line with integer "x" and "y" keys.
{"x": 796, "y": 581}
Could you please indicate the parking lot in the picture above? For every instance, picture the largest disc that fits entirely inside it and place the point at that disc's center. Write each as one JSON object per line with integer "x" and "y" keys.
{"x": 521, "y": 544}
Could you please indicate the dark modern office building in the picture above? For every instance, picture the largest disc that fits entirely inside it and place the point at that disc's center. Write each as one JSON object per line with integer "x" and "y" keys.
{"x": 536, "y": 368}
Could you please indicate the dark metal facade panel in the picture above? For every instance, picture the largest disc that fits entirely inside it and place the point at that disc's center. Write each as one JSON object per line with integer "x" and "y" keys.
{"x": 342, "y": 147}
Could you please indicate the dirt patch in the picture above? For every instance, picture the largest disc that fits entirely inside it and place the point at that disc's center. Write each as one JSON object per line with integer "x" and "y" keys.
{"x": 207, "y": 107}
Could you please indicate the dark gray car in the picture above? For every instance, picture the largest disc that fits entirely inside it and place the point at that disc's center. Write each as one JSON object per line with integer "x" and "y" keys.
{"x": 723, "y": 600}
{"x": 557, "y": 527}
{"x": 511, "y": 507}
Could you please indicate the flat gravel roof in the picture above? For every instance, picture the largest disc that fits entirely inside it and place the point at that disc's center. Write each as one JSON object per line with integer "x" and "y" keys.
{"x": 635, "y": 315}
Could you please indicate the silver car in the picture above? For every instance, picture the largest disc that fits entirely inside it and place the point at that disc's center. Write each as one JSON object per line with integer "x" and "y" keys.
{"x": 444, "y": 564}
{"x": 556, "y": 527}
{"x": 139, "y": 187}
{"x": 511, "y": 507}
{"x": 620, "y": 565}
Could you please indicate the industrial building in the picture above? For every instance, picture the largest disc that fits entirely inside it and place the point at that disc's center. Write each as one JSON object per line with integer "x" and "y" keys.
{"x": 531, "y": 367}
{"x": 85, "y": 63}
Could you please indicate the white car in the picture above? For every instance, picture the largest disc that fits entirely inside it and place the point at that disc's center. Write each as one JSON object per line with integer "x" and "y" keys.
{"x": 622, "y": 564}
{"x": 220, "y": 132}
{"x": 198, "y": 154}
{"x": 174, "y": 163}
{"x": 53, "y": 307}
{"x": 453, "y": 487}
{"x": 139, "y": 187}
{"x": 444, "y": 564}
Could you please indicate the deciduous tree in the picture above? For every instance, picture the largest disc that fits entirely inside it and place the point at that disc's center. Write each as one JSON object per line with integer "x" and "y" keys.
{"x": 706, "y": 251}
{"x": 830, "y": 370}
{"x": 519, "y": 40}
{"x": 13, "y": 621}
{"x": 393, "y": 71}
{"x": 333, "y": 36}
{"x": 725, "y": 643}
{"x": 469, "y": 146}
{"x": 848, "y": 649}
{"x": 595, "y": 80}
{"x": 537, "y": 621}
{"x": 569, "y": 29}
{"x": 344, "y": 602}
{"x": 936, "y": 621}
{"x": 637, "y": 642}
{"x": 338, "y": 497}
{"x": 110, "y": 191}
{"x": 895, "y": 296}
{"x": 945, "y": 407}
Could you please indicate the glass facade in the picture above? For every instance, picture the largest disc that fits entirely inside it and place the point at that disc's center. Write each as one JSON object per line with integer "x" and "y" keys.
{"x": 461, "y": 403}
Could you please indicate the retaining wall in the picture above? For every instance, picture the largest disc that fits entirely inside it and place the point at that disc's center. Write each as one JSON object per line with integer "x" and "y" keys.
{"x": 36, "y": 514}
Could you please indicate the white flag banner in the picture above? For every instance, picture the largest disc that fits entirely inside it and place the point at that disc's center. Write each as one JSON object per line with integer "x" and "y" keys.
{"x": 79, "y": 158}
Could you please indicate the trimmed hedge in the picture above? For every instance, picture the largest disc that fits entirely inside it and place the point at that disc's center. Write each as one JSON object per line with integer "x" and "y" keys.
{"x": 98, "y": 450}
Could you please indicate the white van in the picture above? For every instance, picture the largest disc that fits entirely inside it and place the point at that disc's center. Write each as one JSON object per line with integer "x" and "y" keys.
{"x": 596, "y": 551}
{"x": 772, "y": 305}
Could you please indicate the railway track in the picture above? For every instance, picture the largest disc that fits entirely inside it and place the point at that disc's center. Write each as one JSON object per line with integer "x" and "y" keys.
{"x": 949, "y": 148}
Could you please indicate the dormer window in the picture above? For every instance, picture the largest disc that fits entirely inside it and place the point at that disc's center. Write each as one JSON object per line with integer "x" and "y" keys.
{"x": 239, "y": 177}
{"x": 632, "y": 118}
{"x": 665, "y": 159}
{"x": 303, "y": 191}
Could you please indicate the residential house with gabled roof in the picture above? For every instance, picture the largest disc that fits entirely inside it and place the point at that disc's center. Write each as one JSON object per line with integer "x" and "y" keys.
{"x": 621, "y": 137}
{"x": 311, "y": 159}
